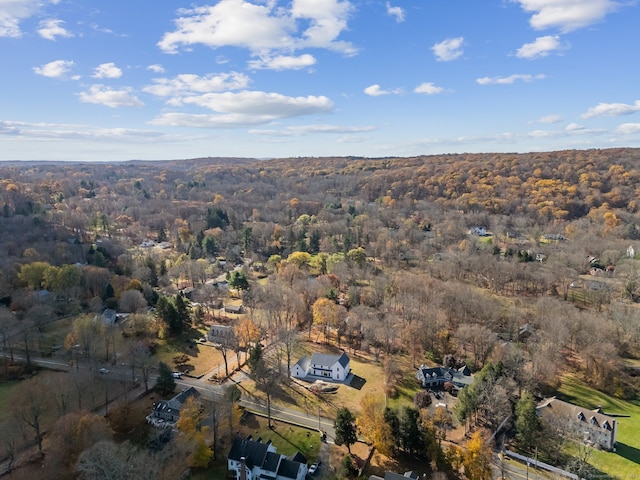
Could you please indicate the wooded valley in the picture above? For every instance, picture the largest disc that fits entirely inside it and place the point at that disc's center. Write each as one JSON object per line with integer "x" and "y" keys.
{"x": 523, "y": 267}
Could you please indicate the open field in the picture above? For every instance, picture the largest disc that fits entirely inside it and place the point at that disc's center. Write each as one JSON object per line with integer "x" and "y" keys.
{"x": 623, "y": 464}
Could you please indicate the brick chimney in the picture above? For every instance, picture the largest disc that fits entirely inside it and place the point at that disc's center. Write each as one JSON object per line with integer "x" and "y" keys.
{"x": 243, "y": 470}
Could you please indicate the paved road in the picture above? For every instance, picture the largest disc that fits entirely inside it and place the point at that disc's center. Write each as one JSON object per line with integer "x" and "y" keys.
{"x": 514, "y": 470}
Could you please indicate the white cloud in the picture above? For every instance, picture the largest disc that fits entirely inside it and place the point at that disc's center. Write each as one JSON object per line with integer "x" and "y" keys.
{"x": 103, "y": 95}
{"x": 55, "y": 69}
{"x": 244, "y": 108}
{"x": 58, "y": 131}
{"x": 428, "y": 88}
{"x": 107, "y": 70}
{"x": 628, "y": 128}
{"x": 156, "y": 68}
{"x": 189, "y": 84}
{"x": 302, "y": 130}
{"x": 397, "y": 12}
{"x": 508, "y": 80}
{"x": 550, "y": 119}
{"x": 52, "y": 28}
{"x": 574, "y": 127}
{"x": 12, "y": 12}
{"x": 612, "y": 110}
{"x": 262, "y": 28}
{"x": 283, "y": 62}
{"x": 375, "y": 91}
{"x": 567, "y": 15}
{"x": 448, "y": 49}
{"x": 249, "y": 102}
{"x": 541, "y": 47}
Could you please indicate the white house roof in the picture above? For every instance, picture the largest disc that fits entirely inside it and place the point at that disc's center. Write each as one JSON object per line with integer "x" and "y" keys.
{"x": 328, "y": 360}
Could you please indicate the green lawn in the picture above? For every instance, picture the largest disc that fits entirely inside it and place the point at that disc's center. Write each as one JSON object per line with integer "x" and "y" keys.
{"x": 625, "y": 462}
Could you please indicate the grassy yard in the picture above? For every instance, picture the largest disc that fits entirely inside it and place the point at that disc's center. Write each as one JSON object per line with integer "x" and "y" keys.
{"x": 6, "y": 389}
{"x": 623, "y": 464}
{"x": 202, "y": 358}
{"x": 285, "y": 438}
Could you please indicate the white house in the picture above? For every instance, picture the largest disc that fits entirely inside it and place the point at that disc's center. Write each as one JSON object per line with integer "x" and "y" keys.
{"x": 322, "y": 365}
{"x": 260, "y": 461}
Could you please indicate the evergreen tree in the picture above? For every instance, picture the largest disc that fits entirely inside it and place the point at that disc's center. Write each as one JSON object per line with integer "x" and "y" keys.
{"x": 183, "y": 310}
{"x": 238, "y": 280}
{"x": 167, "y": 312}
{"x": 345, "y": 427}
{"x": 255, "y": 358}
{"x": 108, "y": 291}
{"x": 209, "y": 245}
{"x": 527, "y": 422}
{"x": 165, "y": 383}
{"x": 314, "y": 241}
{"x": 391, "y": 418}
{"x": 410, "y": 435}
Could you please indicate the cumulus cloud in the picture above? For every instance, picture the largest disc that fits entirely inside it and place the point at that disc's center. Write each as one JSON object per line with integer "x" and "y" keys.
{"x": 541, "y": 47}
{"x": 262, "y": 28}
{"x": 107, "y": 70}
{"x": 55, "y": 69}
{"x": 567, "y": 15}
{"x": 12, "y": 12}
{"x": 52, "y": 28}
{"x": 283, "y": 62}
{"x": 156, "y": 68}
{"x": 574, "y": 127}
{"x": 189, "y": 84}
{"x": 628, "y": 128}
{"x": 103, "y": 95}
{"x": 428, "y": 88}
{"x": 612, "y": 110}
{"x": 397, "y": 12}
{"x": 448, "y": 49}
{"x": 376, "y": 91}
{"x": 508, "y": 80}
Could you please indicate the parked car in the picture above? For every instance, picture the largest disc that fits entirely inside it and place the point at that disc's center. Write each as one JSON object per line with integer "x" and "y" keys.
{"x": 176, "y": 375}
{"x": 104, "y": 370}
{"x": 314, "y": 468}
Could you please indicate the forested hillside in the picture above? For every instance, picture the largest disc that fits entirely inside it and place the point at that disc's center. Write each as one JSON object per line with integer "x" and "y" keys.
{"x": 527, "y": 260}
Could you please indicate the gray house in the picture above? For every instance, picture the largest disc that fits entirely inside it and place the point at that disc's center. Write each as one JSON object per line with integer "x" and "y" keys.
{"x": 430, "y": 377}
{"x": 167, "y": 412}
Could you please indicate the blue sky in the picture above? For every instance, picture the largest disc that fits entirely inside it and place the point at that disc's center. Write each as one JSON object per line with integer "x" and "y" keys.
{"x": 118, "y": 80}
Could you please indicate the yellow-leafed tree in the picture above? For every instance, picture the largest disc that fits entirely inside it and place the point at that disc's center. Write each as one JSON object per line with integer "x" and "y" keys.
{"x": 477, "y": 458}
{"x": 372, "y": 425}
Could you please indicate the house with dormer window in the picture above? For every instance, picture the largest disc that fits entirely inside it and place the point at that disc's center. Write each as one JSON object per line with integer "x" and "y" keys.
{"x": 592, "y": 427}
{"x": 323, "y": 366}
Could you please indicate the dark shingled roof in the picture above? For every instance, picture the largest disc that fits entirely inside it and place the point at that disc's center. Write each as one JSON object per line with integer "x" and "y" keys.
{"x": 298, "y": 457}
{"x": 271, "y": 461}
{"x": 253, "y": 452}
{"x": 288, "y": 469}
